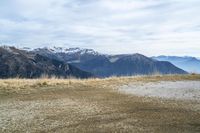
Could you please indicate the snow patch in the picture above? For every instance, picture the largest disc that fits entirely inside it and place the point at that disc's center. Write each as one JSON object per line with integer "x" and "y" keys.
{"x": 74, "y": 61}
{"x": 113, "y": 59}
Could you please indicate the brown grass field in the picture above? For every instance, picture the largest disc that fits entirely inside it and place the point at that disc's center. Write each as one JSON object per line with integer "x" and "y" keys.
{"x": 92, "y": 106}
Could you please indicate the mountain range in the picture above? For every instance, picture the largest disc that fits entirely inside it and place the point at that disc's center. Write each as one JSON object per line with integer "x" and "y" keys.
{"x": 189, "y": 64}
{"x": 23, "y": 64}
{"x": 103, "y": 65}
{"x": 76, "y": 62}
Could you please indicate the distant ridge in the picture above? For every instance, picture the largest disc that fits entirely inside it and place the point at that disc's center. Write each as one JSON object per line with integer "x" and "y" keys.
{"x": 110, "y": 65}
{"x": 187, "y": 63}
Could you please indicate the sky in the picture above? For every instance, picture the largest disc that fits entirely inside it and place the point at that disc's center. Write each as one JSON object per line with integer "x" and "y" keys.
{"x": 149, "y": 27}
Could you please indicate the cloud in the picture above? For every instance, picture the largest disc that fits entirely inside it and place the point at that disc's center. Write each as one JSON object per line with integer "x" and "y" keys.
{"x": 150, "y": 27}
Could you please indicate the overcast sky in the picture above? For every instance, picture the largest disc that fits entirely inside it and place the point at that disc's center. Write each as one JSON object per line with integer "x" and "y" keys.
{"x": 150, "y": 27}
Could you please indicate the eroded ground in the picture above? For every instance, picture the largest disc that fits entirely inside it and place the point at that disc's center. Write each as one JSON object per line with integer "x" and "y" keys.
{"x": 93, "y": 106}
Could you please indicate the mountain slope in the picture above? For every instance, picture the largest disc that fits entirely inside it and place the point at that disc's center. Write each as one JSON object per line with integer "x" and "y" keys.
{"x": 135, "y": 64}
{"x": 190, "y": 64}
{"x": 20, "y": 63}
{"x": 113, "y": 65}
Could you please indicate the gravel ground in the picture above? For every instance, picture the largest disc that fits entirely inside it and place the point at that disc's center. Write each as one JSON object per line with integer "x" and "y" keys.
{"x": 179, "y": 90}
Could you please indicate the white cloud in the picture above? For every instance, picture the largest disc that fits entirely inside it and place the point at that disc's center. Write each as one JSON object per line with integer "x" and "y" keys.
{"x": 150, "y": 27}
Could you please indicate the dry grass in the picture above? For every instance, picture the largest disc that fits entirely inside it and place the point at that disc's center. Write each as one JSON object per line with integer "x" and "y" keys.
{"x": 18, "y": 84}
{"x": 92, "y": 105}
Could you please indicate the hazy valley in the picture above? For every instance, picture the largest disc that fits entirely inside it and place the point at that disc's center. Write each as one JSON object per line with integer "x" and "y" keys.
{"x": 189, "y": 64}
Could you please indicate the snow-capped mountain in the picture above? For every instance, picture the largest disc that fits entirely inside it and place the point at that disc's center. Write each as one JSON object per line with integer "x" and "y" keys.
{"x": 81, "y": 51}
{"x": 107, "y": 65}
{"x": 88, "y": 60}
{"x": 68, "y": 50}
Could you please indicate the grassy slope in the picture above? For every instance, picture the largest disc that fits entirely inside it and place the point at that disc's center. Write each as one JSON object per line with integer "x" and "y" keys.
{"x": 57, "y": 105}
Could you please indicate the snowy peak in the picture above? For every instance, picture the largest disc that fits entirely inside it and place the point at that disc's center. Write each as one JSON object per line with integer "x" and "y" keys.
{"x": 68, "y": 50}
{"x": 54, "y": 50}
{"x": 80, "y": 51}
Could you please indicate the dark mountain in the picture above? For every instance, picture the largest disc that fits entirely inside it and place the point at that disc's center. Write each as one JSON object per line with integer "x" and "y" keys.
{"x": 24, "y": 64}
{"x": 112, "y": 65}
{"x": 190, "y": 64}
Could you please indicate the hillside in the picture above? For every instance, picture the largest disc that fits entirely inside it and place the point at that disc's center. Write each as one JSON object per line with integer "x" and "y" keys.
{"x": 23, "y": 64}
{"x": 110, "y": 65}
